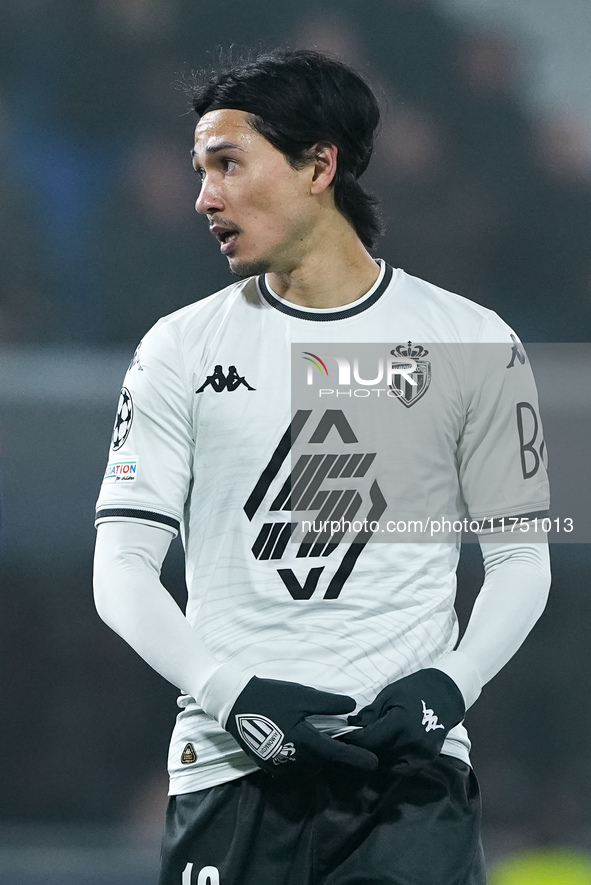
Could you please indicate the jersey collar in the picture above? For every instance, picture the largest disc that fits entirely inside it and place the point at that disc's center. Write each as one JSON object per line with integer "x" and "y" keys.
{"x": 328, "y": 315}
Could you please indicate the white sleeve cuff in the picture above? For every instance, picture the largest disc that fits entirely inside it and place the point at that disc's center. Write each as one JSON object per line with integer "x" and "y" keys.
{"x": 221, "y": 691}
{"x": 460, "y": 668}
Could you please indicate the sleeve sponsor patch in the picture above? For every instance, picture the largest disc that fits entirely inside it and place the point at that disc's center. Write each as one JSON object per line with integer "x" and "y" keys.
{"x": 120, "y": 471}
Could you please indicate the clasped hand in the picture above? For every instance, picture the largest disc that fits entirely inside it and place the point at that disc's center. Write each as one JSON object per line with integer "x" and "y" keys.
{"x": 407, "y": 723}
{"x": 405, "y": 726}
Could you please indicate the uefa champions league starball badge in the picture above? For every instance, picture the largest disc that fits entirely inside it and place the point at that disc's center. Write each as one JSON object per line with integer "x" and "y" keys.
{"x": 123, "y": 419}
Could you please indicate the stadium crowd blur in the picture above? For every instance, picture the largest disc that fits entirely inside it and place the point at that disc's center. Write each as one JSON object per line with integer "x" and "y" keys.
{"x": 97, "y": 233}
{"x": 99, "y": 238}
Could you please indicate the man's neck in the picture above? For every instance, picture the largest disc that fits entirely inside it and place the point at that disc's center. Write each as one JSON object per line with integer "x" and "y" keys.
{"x": 338, "y": 272}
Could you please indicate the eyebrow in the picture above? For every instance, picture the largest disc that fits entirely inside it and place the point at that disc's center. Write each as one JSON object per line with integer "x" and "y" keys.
{"x": 220, "y": 146}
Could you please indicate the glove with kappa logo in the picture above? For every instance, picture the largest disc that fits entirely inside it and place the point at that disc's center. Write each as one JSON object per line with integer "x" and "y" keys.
{"x": 407, "y": 723}
{"x": 268, "y": 720}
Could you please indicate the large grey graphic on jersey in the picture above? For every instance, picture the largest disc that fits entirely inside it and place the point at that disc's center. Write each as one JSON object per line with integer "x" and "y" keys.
{"x": 303, "y": 491}
{"x": 123, "y": 419}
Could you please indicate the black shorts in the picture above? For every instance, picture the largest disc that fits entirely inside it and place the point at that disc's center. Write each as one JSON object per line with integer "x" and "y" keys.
{"x": 343, "y": 827}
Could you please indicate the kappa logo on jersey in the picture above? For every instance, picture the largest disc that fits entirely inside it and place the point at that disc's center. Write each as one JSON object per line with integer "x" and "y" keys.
{"x": 219, "y": 382}
{"x": 516, "y": 353}
{"x": 417, "y": 370}
{"x": 430, "y": 719}
{"x": 123, "y": 419}
{"x": 135, "y": 360}
{"x": 260, "y": 734}
{"x": 303, "y": 490}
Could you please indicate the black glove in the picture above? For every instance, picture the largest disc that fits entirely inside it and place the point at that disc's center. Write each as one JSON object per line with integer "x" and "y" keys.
{"x": 268, "y": 721}
{"x": 409, "y": 720}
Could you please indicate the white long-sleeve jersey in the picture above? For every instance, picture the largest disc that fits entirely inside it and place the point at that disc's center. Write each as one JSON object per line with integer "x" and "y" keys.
{"x": 210, "y": 438}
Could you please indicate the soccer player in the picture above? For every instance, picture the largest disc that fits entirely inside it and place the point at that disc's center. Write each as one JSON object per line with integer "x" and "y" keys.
{"x": 320, "y": 737}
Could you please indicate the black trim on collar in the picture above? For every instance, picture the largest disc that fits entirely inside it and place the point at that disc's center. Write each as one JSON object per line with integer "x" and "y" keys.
{"x": 326, "y": 315}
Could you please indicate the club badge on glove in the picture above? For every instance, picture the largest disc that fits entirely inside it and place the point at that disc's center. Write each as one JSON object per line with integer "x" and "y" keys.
{"x": 269, "y": 722}
{"x": 264, "y": 738}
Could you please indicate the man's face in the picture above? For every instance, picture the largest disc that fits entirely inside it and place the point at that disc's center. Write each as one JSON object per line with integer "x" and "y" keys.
{"x": 258, "y": 206}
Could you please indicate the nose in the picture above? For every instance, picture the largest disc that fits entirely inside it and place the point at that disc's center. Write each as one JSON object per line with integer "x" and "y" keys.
{"x": 209, "y": 199}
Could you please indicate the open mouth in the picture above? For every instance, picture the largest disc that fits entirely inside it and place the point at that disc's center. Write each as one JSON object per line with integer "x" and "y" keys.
{"x": 226, "y": 236}
{"x": 228, "y": 240}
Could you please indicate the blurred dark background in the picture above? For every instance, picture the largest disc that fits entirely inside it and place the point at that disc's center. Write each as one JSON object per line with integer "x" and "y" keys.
{"x": 483, "y": 193}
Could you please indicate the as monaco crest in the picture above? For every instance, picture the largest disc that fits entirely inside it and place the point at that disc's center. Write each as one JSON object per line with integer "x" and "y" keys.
{"x": 416, "y": 368}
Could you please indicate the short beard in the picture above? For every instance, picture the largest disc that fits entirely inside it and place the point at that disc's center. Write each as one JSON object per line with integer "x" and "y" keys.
{"x": 250, "y": 268}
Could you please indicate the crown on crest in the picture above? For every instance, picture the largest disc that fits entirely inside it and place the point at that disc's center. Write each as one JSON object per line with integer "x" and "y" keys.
{"x": 408, "y": 350}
